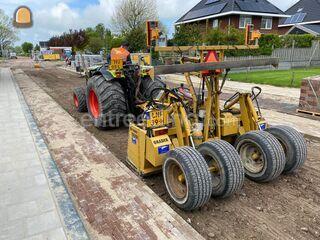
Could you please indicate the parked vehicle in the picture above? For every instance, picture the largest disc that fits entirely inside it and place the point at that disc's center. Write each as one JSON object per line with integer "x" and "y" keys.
{"x": 13, "y": 55}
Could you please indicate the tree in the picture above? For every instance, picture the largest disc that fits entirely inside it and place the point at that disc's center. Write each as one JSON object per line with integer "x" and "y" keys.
{"x": 136, "y": 39}
{"x": 130, "y": 19}
{"x": 8, "y": 35}
{"x": 131, "y": 15}
{"x": 116, "y": 41}
{"x": 18, "y": 50}
{"x": 99, "y": 37}
{"x": 27, "y": 47}
{"x": 95, "y": 45}
{"x": 77, "y": 39}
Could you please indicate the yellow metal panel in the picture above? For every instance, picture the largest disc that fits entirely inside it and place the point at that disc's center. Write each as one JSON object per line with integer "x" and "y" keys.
{"x": 208, "y": 105}
{"x": 51, "y": 57}
{"x": 156, "y": 149}
{"x": 136, "y": 147}
{"x": 244, "y": 113}
{"x": 229, "y": 124}
{"x": 141, "y": 58}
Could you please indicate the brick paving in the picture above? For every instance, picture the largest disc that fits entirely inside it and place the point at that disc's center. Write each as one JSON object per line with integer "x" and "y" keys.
{"x": 113, "y": 201}
{"x": 29, "y": 206}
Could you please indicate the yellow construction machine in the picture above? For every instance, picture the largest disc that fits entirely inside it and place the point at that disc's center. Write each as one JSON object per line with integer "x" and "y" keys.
{"x": 203, "y": 146}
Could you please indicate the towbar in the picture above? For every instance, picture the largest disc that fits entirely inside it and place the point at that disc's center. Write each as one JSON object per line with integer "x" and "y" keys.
{"x": 196, "y": 67}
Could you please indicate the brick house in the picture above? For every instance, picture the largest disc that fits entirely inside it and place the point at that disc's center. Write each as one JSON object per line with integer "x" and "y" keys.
{"x": 305, "y": 18}
{"x": 237, "y": 13}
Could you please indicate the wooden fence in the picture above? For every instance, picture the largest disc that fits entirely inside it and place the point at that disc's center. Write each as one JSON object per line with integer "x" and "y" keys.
{"x": 291, "y": 57}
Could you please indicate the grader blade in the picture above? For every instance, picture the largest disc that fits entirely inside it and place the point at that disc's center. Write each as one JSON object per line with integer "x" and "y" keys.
{"x": 196, "y": 67}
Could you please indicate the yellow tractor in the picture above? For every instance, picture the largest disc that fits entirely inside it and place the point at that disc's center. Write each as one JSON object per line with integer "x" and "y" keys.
{"x": 205, "y": 148}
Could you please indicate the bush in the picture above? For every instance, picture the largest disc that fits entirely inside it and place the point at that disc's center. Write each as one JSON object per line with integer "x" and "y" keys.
{"x": 267, "y": 43}
{"x": 232, "y": 36}
{"x": 187, "y": 35}
{"x": 301, "y": 41}
{"x": 215, "y": 37}
{"x": 190, "y": 34}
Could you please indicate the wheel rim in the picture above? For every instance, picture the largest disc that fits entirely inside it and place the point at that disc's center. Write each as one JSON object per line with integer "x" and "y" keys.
{"x": 176, "y": 181}
{"x": 75, "y": 100}
{"x": 94, "y": 104}
{"x": 215, "y": 170}
{"x": 252, "y": 158}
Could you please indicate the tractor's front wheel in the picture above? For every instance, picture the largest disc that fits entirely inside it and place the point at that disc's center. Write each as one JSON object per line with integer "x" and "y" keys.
{"x": 225, "y": 166}
{"x": 149, "y": 86}
{"x": 262, "y": 156}
{"x": 187, "y": 178}
{"x": 79, "y": 99}
{"x": 106, "y": 101}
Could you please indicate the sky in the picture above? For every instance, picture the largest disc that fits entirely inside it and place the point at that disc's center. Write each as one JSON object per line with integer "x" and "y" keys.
{"x": 52, "y": 17}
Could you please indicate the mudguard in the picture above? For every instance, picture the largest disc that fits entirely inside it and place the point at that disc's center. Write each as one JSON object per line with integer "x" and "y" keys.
{"x": 108, "y": 76}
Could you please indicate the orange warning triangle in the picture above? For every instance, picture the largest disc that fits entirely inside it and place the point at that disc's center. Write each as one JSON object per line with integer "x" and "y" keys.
{"x": 212, "y": 56}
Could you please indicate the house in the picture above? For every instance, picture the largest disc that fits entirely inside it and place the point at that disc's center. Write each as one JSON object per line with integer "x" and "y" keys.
{"x": 44, "y": 45}
{"x": 237, "y": 13}
{"x": 305, "y": 18}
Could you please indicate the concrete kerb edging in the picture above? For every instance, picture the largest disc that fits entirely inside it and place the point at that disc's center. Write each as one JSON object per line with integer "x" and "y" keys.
{"x": 73, "y": 225}
{"x": 155, "y": 214}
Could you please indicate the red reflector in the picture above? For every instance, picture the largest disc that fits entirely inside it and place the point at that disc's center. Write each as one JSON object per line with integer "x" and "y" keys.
{"x": 160, "y": 132}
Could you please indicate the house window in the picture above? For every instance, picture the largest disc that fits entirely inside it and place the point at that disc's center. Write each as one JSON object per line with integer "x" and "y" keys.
{"x": 266, "y": 23}
{"x": 215, "y": 23}
{"x": 244, "y": 21}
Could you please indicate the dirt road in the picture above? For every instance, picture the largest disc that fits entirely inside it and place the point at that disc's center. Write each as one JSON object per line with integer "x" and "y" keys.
{"x": 288, "y": 208}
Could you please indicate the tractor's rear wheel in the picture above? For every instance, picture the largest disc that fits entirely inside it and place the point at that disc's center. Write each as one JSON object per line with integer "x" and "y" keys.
{"x": 106, "y": 101}
{"x": 294, "y": 146}
{"x": 262, "y": 156}
{"x": 79, "y": 99}
{"x": 224, "y": 162}
{"x": 187, "y": 178}
{"x": 148, "y": 86}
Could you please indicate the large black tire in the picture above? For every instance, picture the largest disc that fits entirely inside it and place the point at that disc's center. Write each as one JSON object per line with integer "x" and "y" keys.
{"x": 106, "y": 102}
{"x": 294, "y": 145}
{"x": 262, "y": 156}
{"x": 228, "y": 176}
{"x": 79, "y": 99}
{"x": 195, "y": 189}
{"x": 148, "y": 85}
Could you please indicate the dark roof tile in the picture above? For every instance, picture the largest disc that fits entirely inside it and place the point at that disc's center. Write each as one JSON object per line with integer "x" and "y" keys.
{"x": 203, "y": 9}
{"x": 313, "y": 27}
{"x": 310, "y": 7}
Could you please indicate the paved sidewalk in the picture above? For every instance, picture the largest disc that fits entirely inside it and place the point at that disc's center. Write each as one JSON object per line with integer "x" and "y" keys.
{"x": 31, "y": 190}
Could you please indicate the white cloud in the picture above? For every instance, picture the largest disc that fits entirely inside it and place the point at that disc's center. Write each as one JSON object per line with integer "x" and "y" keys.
{"x": 283, "y": 4}
{"x": 174, "y": 9}
{"x": 52, "y": 17}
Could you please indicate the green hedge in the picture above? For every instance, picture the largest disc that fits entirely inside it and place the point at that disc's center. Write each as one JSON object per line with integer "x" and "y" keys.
{"x": 190, "y": 34}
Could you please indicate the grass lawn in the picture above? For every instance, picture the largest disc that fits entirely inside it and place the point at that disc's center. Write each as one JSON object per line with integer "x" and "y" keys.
{"x": 281, "y": 78}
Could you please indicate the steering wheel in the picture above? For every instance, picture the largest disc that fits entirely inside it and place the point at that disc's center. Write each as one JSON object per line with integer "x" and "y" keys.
{"x": 160, "y": 104}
